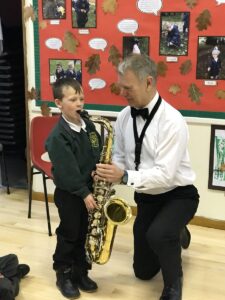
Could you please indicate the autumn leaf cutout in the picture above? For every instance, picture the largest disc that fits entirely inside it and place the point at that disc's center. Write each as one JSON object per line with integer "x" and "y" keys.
{"x": 70, "y": 43}
{"x": 185, "y": 67}
{"x": 114, "y": 56}
{"x": 45, "y": 110}
{"x": 174, "y": 89}
{"x": 194, "y": 93}
{"x": 191, "y": 3}
{"x": 114, "y": 88}
{"x": 162, "y": 68}
{"x": 32, "y": 94}
{"x": 203, "y": 20}
{"x": 109, "y": 6}
{"x": 93, "y": 64}
{"x": 220, "y": 94}
{"x": 29, "y": 13}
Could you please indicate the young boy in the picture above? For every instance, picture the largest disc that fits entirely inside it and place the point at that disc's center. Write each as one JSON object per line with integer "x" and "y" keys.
{"x": 74, "y": 148}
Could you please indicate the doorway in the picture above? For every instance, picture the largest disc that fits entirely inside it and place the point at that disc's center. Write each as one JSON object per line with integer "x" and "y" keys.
{"x": 12, "y": 95}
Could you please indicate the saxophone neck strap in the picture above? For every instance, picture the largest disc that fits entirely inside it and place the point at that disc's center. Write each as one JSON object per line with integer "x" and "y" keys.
{"x": 139, "y": 140}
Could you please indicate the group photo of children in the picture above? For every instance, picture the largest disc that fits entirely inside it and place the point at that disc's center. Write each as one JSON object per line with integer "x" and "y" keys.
{"x": 65, "y": 68}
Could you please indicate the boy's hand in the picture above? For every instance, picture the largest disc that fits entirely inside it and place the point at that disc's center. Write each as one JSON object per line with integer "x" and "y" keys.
{"x": 90, "y": 202}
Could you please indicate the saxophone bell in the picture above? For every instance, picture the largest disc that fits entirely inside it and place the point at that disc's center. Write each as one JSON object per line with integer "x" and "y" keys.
{"x": 117, "y": 211}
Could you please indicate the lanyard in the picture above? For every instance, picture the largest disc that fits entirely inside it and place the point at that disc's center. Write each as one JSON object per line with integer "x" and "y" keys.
{"x": 139, "y": 140}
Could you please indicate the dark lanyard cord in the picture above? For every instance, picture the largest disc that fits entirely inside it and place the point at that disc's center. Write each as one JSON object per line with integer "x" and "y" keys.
{"x": 139, "y": 140}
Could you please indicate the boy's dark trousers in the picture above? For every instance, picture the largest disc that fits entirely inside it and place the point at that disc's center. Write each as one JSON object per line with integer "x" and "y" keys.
{"x": 9, "y": 284}
{"x": 71, "y": 233}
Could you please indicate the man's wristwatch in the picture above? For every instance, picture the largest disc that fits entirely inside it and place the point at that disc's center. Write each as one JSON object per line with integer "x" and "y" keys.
{"x": 125, "y": 177}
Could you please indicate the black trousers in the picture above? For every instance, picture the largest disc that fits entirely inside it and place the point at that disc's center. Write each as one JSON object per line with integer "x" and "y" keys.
{"x": 71, "y": 232}
{"x": 157, "y": 228}
{"x": 9, "y": 284}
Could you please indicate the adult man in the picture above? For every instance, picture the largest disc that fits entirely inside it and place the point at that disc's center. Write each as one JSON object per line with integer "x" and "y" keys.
{"x": 151, "y": 156}
{"x": 10, "y": 274}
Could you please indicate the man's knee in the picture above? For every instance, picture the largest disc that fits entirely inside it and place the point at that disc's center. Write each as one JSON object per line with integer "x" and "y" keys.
{"x": 143, "y": 273}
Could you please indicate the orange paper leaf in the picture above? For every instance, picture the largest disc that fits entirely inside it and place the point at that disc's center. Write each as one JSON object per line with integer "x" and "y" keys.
{"x": 29, "y": 13}
{"x": 70, "y": 43}
{"x": 109, "y": 6}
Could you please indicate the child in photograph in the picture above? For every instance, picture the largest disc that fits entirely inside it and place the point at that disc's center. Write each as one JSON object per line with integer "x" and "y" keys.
{"x": 74, "y": 148}
{"x": 185, "y": 19}
{"x": 70, "y": 72}
{"x": 59, "y": 72}
{"x": 215, "y": 64}
{"x": 81, "y": 8}
{"x": 173, "y": 36}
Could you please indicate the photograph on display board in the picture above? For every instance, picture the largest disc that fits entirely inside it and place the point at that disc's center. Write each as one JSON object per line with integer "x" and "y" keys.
{"x": 174, "y": 33}
{"x": 211, "y": 58}
{"x": 217, "y": 158}
{"x": 135, "y": 45}
{"x": 54, "y": 9}
{"x": 84, "y": 13}
{"x": 65, "y": 68}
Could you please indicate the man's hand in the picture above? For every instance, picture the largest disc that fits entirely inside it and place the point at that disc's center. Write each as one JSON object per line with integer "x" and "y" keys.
{"x": 110, "y": 173}
{"x": 90, "y": 202}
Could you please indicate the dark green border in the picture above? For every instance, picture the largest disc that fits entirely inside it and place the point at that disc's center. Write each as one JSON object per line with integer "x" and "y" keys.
{"x": 113, "y": 108}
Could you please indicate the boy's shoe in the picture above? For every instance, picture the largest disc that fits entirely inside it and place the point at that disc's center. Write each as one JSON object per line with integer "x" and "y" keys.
{"x": 22, "y": 270}
{"x": 65, "y": 285}
{"x": 185, "y": 238}
{"x": 86, "y": 284}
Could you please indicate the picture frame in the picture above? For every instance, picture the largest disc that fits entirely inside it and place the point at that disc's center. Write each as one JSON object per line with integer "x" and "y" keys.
{"x": 54, "y": 10}
{"x": 84, "y": 14}
{"x": 135, "y": 44}
{"x": 217, "y": 158}
{"x": 64, "y": 68}
{"x": 174, "y": 33}
{"x": 210, "y": 58}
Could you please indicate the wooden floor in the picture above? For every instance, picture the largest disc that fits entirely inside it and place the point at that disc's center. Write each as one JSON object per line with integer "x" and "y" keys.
{"x": 203, "y": 262}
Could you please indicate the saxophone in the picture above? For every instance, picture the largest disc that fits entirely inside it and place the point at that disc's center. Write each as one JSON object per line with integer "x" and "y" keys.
{"x": 112, "y": 211}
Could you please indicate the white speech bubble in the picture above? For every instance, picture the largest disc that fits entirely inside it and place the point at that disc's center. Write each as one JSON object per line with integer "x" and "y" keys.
{"x": 54, "y": 43}
{"x": 152, "y": 6}
{"x": 220, "y": 1}
{"x": 97, "y": 83}
{"x": 128, "y": 26}
{"x": 98, "y": 44}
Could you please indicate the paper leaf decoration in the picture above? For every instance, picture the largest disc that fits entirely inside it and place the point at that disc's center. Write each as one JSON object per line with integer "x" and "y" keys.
{"x": 32, "y": 94}
{"x": 203, "y": 20}
{"x": 29, "y": 13}
{"x": 93, "y": 64}
{"x": 194, "y": 93}
{"x": 185, "y": 67}
{"x": 174, "y": 89}
{"x": 43, "y": 24}
{"x": 70, "y": 43}
{"x": 191, "y": 3}
{"x": 115, "y": 89}
{"x": 45, "y": 110}
{"x": 220, "y": 94}
{"x": 162, "y": 68}
{"x": 109, "y": 6}
{"x": 114, "y": 56}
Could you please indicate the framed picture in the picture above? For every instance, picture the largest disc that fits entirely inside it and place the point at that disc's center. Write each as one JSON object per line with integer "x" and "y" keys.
{"x": 174, "y": 33}
{"x": 83, "y": 14}
{"x": 135, "y": 44}
{"x": 64, "y": 68}
{"x": 210, "y": 58}
{"x": 217, "y": 158}
{"x": 52, "y": 9}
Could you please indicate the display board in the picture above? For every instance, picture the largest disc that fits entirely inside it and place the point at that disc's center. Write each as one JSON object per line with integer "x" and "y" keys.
{"x": 184, "y": 37}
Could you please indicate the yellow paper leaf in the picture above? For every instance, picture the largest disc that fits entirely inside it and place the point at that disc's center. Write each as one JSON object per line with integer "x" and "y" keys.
{"x": 43, "y": 24}
{"x": 109, "y": 6}
{"x": 45, "y": 110}
{"x": 174, "y": 89}
{"x": 70, "y": 43}
{"x": 220, "y": 94}
{"x": 29, "y": 13}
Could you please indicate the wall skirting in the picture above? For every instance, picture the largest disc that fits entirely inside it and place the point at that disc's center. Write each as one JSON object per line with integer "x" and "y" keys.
{"x": 200, "y": 221}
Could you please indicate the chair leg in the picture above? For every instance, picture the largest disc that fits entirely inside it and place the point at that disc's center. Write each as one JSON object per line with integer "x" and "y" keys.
{"x": 46, "y": 205}
{"x": 5, "y": 171}
{"x": 30, "y": 190}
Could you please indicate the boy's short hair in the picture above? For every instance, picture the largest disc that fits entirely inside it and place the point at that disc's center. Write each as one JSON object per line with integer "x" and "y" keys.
{"x": 57, "y": 87}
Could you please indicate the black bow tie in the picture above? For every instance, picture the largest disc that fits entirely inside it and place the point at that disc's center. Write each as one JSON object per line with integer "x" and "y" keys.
{"x": 139, "y": 112}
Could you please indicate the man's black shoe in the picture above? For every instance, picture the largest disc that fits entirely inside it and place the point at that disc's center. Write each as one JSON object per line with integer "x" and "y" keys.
{"x": 22, "y": 270}
{"x": 174, "y": 291}
{"x": 65, "y": 285}
{"x": 185, "y": 238}
{"x": 86, "y": 284}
